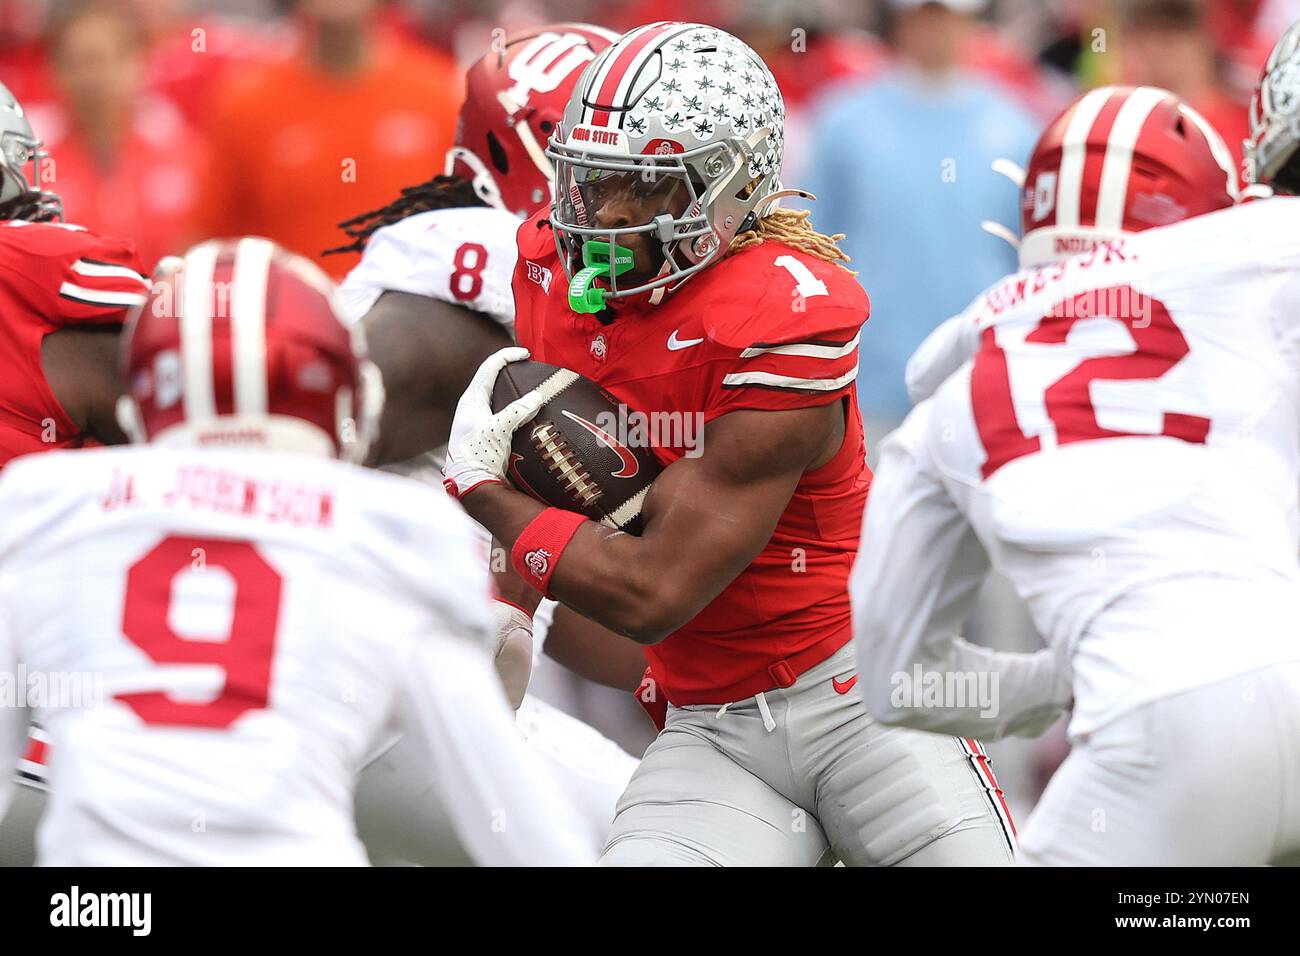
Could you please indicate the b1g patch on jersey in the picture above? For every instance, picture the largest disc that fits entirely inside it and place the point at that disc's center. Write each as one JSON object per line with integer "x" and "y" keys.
{"x": 539, "y": 274}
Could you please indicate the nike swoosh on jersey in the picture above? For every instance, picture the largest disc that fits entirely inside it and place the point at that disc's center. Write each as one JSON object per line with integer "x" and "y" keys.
{"x": 675, "y": 344}
{"x": 844, "y": 688}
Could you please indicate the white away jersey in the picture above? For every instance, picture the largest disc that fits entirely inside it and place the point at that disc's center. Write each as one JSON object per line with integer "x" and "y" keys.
{"x": 463, "y": 256}
{"x": 248, "y": 626}
{"x": 1125, "y": 445}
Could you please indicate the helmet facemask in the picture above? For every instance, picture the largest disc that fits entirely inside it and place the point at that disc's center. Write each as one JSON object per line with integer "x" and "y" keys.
{"x": 20, "y": 194}
{"x": 674, "y": 213}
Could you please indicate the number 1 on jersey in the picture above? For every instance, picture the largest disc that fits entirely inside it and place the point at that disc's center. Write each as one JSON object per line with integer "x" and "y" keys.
{"x": 807, "y": 284}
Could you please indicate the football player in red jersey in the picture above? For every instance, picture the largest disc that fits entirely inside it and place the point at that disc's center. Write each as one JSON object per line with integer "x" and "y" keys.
{"x": 64, "y": 293}
{"x": 433, "y": 292}
{"x": 691, "y": 295}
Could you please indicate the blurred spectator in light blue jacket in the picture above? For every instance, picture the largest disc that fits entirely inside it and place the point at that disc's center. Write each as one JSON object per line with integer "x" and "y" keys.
{"x": 901, "y": 163}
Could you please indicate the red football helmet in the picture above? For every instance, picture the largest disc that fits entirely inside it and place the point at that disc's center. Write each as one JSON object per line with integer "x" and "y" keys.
{"x": 239, "y": 344}
{"x": 515, "y": 96}
{"x": 1120, "y": 159}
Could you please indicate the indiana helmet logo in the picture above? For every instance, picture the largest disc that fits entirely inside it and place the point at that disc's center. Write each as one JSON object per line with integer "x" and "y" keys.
{"x": 538, "y": 562}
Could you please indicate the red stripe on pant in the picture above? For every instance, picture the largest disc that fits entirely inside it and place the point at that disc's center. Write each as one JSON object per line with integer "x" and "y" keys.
{"x": 981, "y": 761}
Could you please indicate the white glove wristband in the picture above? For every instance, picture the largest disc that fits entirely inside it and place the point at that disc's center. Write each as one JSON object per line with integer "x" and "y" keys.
{"x": 513, "y": 655}
{"x": 479, "y": 447}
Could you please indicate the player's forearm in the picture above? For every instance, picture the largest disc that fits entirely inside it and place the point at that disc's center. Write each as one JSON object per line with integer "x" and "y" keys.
{"x": 632, "y": 586}
{"x": 944, "y": 351}
{"x": 591, "y": 651}
{"x": 509, "y": 586}
{"x": 502, "y": 510}
{"x": 505, "y": 807}
{"x": 955, "y": 687}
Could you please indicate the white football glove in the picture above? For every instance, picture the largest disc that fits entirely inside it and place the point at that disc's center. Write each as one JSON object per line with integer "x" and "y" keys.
{"x": 479, "y": 447}
{"x": 513, "y": 655}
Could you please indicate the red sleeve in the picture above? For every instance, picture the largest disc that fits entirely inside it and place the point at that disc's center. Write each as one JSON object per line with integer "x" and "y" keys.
{"x": 100, "y": 279}
{"x": 792, "y": 351}
{"x": 66, "y": 275}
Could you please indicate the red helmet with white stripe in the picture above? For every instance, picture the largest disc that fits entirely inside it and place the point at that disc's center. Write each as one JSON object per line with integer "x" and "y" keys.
{"x": 514, "y": 98}
{"x": 1119, "y": 160}
{"x": 239, "y": 344}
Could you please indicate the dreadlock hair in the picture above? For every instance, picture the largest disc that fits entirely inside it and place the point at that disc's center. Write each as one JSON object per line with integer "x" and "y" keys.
{"x": 28, "y": 207}
{"x": 791, "y": 227}
{"x": 440, "y": 192}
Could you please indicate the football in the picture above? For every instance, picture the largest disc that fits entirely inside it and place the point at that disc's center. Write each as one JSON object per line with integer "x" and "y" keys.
{"x": 569, "y": 456}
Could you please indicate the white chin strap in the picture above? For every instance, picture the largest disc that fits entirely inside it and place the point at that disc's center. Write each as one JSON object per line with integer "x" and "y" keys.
{"x": 1015, "y": 173}
{"x": 484, "y": 185}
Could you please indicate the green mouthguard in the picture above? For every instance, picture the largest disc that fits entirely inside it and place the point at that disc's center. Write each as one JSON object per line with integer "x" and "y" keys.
{"x": 585, "y": 297}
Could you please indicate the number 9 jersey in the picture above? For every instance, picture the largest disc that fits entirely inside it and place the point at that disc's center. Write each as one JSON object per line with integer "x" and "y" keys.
{"x": 217, "y": 640}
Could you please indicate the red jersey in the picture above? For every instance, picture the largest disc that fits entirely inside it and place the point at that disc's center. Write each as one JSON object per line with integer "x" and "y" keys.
{"x": 769, "y": 328}
{"x": 53, "y": 276}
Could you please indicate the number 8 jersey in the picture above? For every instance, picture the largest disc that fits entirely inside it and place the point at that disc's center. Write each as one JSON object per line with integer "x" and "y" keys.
{"x": 1125, "y": 445}
{"x": 462, "y": 255}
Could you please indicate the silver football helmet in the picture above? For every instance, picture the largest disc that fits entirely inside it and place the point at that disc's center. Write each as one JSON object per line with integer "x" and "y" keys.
{"x": 21, "y": 196}
{"x": 1275, "y": 112}
{"x": 671, "y": 143}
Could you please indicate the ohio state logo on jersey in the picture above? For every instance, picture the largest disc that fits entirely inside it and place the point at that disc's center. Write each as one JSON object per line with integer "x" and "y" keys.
{"x": 538, "y": 562}
{"x": 599, "y": 349}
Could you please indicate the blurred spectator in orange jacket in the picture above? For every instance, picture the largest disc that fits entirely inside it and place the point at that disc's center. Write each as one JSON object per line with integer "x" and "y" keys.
{"x": 336, "y": 129}
{"x": 1167, "y": 43}
{"x": 125, "y": 162}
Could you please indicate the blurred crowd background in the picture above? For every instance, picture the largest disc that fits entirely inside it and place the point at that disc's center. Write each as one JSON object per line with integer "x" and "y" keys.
{"x": 169, "y": 121}
{"x": 174, "y": 120}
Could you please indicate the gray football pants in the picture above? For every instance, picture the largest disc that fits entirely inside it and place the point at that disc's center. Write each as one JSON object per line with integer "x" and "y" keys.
{"x": 800, "y": 776}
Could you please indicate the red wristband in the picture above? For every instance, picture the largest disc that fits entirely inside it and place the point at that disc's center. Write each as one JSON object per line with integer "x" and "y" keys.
{"x": 539, "y": 546}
